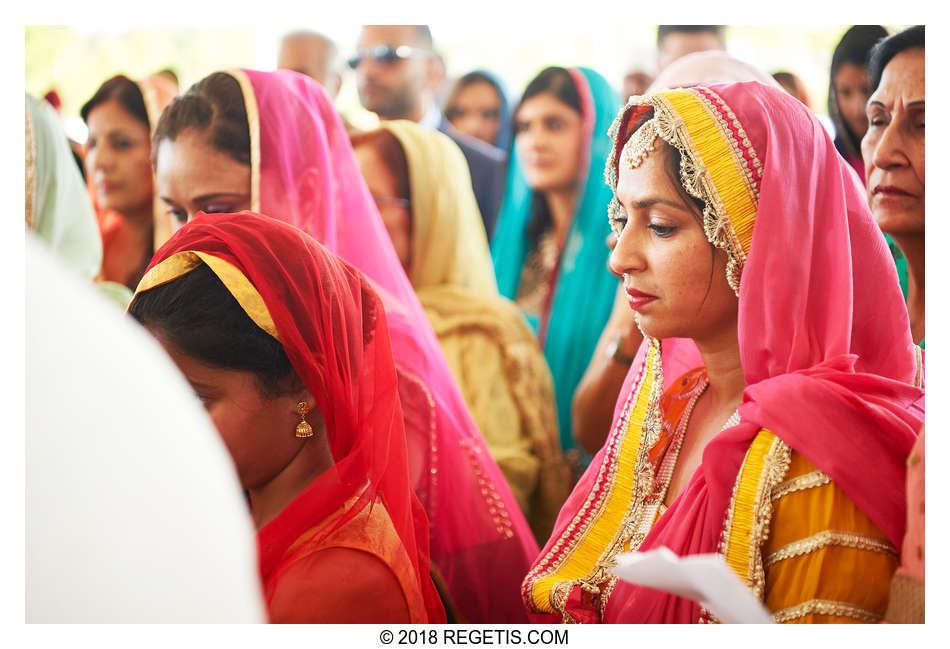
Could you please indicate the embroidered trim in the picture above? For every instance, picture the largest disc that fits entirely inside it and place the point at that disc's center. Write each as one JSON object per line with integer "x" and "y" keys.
{"x": 718, "y": 165}
{"x": 800, "y": 483}
{"x": 829, "y": 538}
{"x": 583, "y": 554}
{"x": 827, "y": 607}
{"x": 30, "y": 170}
{"x": 254, "y": 126}
{"x": 747, "y": 522}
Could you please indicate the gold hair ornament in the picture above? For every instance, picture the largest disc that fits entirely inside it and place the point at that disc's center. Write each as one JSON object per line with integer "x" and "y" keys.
{"x": 641, "y": 144}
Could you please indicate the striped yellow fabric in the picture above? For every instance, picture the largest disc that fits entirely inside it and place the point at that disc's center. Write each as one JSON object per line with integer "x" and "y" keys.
{"x": 582, "y": 559}
{"x": 720, "y": 157}
{"x": 841, "y": 569}
{"x": 739, "y": 539}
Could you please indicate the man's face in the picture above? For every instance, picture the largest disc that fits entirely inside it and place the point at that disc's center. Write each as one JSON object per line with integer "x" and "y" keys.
{"x": 308, "y": 55}
{"x": 397, "y": 89}
{"x": 677, "y": 44}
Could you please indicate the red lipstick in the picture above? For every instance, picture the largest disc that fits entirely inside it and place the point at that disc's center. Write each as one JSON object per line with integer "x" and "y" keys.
{"x": 638, "y": 299}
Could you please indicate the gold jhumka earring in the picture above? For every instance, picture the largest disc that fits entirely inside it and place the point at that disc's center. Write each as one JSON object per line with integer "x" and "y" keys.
{"x": 303, "y": 428}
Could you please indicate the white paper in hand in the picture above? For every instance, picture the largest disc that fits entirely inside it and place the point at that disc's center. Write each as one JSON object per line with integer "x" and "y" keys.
{"x": 703, "y": 578}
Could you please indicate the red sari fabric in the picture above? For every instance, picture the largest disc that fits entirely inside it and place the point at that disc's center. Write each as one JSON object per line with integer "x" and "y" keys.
{"x": 307, "y": 175}
{"x": 824, "y": 341}
{"x": 333, "y": 328}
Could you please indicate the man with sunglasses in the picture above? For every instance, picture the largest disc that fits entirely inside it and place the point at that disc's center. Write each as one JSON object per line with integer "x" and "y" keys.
{"x": 397, "y": 75}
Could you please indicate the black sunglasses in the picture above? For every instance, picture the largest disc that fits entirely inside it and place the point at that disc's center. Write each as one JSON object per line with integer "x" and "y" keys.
{"x": 385, "y": 54}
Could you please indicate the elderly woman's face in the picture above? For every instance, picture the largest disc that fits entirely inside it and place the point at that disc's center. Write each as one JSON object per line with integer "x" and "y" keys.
{"x": 893, "y": 147}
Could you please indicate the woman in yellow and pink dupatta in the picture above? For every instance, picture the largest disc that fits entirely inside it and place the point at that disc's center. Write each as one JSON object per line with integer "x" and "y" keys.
{"x": 282, "y": 133}
{"x": 801, "y": 488}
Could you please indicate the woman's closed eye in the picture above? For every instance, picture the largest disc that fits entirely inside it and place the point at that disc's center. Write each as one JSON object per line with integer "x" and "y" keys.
{"x": 217, "y": 208}
{"x": 662, "y": 231}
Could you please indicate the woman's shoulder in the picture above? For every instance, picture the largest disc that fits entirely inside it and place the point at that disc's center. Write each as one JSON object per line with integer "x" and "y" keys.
{"x": 339, "y": 585}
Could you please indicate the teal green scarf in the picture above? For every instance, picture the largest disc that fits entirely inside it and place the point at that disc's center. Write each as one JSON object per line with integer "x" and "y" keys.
{"x": 585, "y": 289}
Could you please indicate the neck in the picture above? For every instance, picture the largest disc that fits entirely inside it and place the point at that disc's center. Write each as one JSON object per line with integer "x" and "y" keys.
{"x": 723, "y": 368}
{"x": 269, "y": 499}
{"x": 561, "y": 204}
{"x": 912, "y": 246}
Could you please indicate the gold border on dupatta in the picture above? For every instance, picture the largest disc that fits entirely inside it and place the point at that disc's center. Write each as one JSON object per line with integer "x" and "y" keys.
{"x": 233, "y": 279}
{"x": 584, "y": 553}
{"x": 712, "y": 169}
{"x": 254, "y": 126}
{"x": 162, "y": 229}
{"x": 750, "y": 511}
{"x": 30, "y": 169}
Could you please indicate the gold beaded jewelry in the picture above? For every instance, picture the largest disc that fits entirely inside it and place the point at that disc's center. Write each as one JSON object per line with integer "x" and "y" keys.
{"x": 641, "y": 144}
{"x": 303, "y": 428}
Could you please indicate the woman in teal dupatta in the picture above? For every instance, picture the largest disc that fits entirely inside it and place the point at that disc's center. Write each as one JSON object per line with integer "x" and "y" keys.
{"x": 550, "y": 259}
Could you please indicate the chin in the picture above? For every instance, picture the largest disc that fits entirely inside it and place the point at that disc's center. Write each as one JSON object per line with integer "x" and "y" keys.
{"x": 899, "y": 222}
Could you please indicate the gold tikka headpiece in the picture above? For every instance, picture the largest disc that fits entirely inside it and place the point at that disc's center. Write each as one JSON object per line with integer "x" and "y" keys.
{"x": 718, "y": 164}
{"x": 640, "y": 145}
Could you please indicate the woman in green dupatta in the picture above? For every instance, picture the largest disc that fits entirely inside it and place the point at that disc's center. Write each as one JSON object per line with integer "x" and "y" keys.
{"x": 549, "y": 244}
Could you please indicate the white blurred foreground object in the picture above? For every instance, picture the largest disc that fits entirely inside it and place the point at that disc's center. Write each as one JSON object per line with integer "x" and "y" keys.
{"x": 133, "y": 509}
{"x": 703, "y": 578}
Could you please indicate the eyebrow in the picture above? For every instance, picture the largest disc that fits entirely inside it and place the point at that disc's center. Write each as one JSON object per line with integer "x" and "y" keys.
{"x": 913, "y": 104}
{"x": 198, "y": 386}
{"x": 208, "y": 197}
{"x": 650, "y": 202}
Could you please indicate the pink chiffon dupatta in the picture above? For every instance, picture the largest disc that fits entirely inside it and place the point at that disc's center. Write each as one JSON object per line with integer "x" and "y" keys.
{"x": 304, "y": 172}
{"x": 824, "y": 341}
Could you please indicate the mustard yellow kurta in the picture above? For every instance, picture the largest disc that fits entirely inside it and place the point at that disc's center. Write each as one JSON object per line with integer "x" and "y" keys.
{"x": 490, "y": 348}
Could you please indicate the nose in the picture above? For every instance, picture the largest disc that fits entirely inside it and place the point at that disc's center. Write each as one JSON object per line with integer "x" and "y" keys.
{"x": 889, "y": 151}
{"x": 100, "y": 158}
{"x": 627, "y": 257}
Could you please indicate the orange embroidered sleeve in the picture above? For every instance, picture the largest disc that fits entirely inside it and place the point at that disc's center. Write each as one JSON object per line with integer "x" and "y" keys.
{"x": 825, "y": 561}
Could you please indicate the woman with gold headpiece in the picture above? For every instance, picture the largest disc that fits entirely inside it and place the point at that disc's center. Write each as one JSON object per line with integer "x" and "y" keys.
{"x": 121, "y": 116}
{"x": 743, "y": 236}
{"x": 419, "y": 180}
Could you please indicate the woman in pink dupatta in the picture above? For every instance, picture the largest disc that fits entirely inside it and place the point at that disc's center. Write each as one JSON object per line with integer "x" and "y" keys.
{"x": 802, "y": 488}
{"x": 303, "y": 171}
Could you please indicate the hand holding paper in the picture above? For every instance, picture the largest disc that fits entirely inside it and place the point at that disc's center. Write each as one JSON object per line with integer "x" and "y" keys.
{"x": 703, "y": 578}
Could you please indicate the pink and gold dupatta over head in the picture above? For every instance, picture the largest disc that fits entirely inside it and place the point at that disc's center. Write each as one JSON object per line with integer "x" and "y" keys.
{"x": 824, "y": 341}
{"x": 303, "y": 171}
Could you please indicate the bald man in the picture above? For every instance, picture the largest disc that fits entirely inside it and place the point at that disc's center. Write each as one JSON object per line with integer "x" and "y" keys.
{"x": 311, "y": 54}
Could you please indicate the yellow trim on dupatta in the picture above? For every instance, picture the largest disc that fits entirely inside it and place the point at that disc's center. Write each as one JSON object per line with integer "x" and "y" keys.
{"x": 718, "y": 165}
{"x": 750, "y": 512}
{"x": 254, "y": 126}
{"x": 233, "y": 279}
{"x": 584, "y": 553}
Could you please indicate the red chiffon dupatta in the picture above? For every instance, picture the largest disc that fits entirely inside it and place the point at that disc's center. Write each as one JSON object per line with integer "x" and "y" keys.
{"x": 333, "y": 328}
{"x": 305, "y": 173}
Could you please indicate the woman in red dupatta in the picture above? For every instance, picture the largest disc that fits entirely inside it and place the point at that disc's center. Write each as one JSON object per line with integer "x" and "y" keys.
{"x": 348, "y": 539}
{"x": 801, "y": 489}
{"x": 280, "y": 131}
